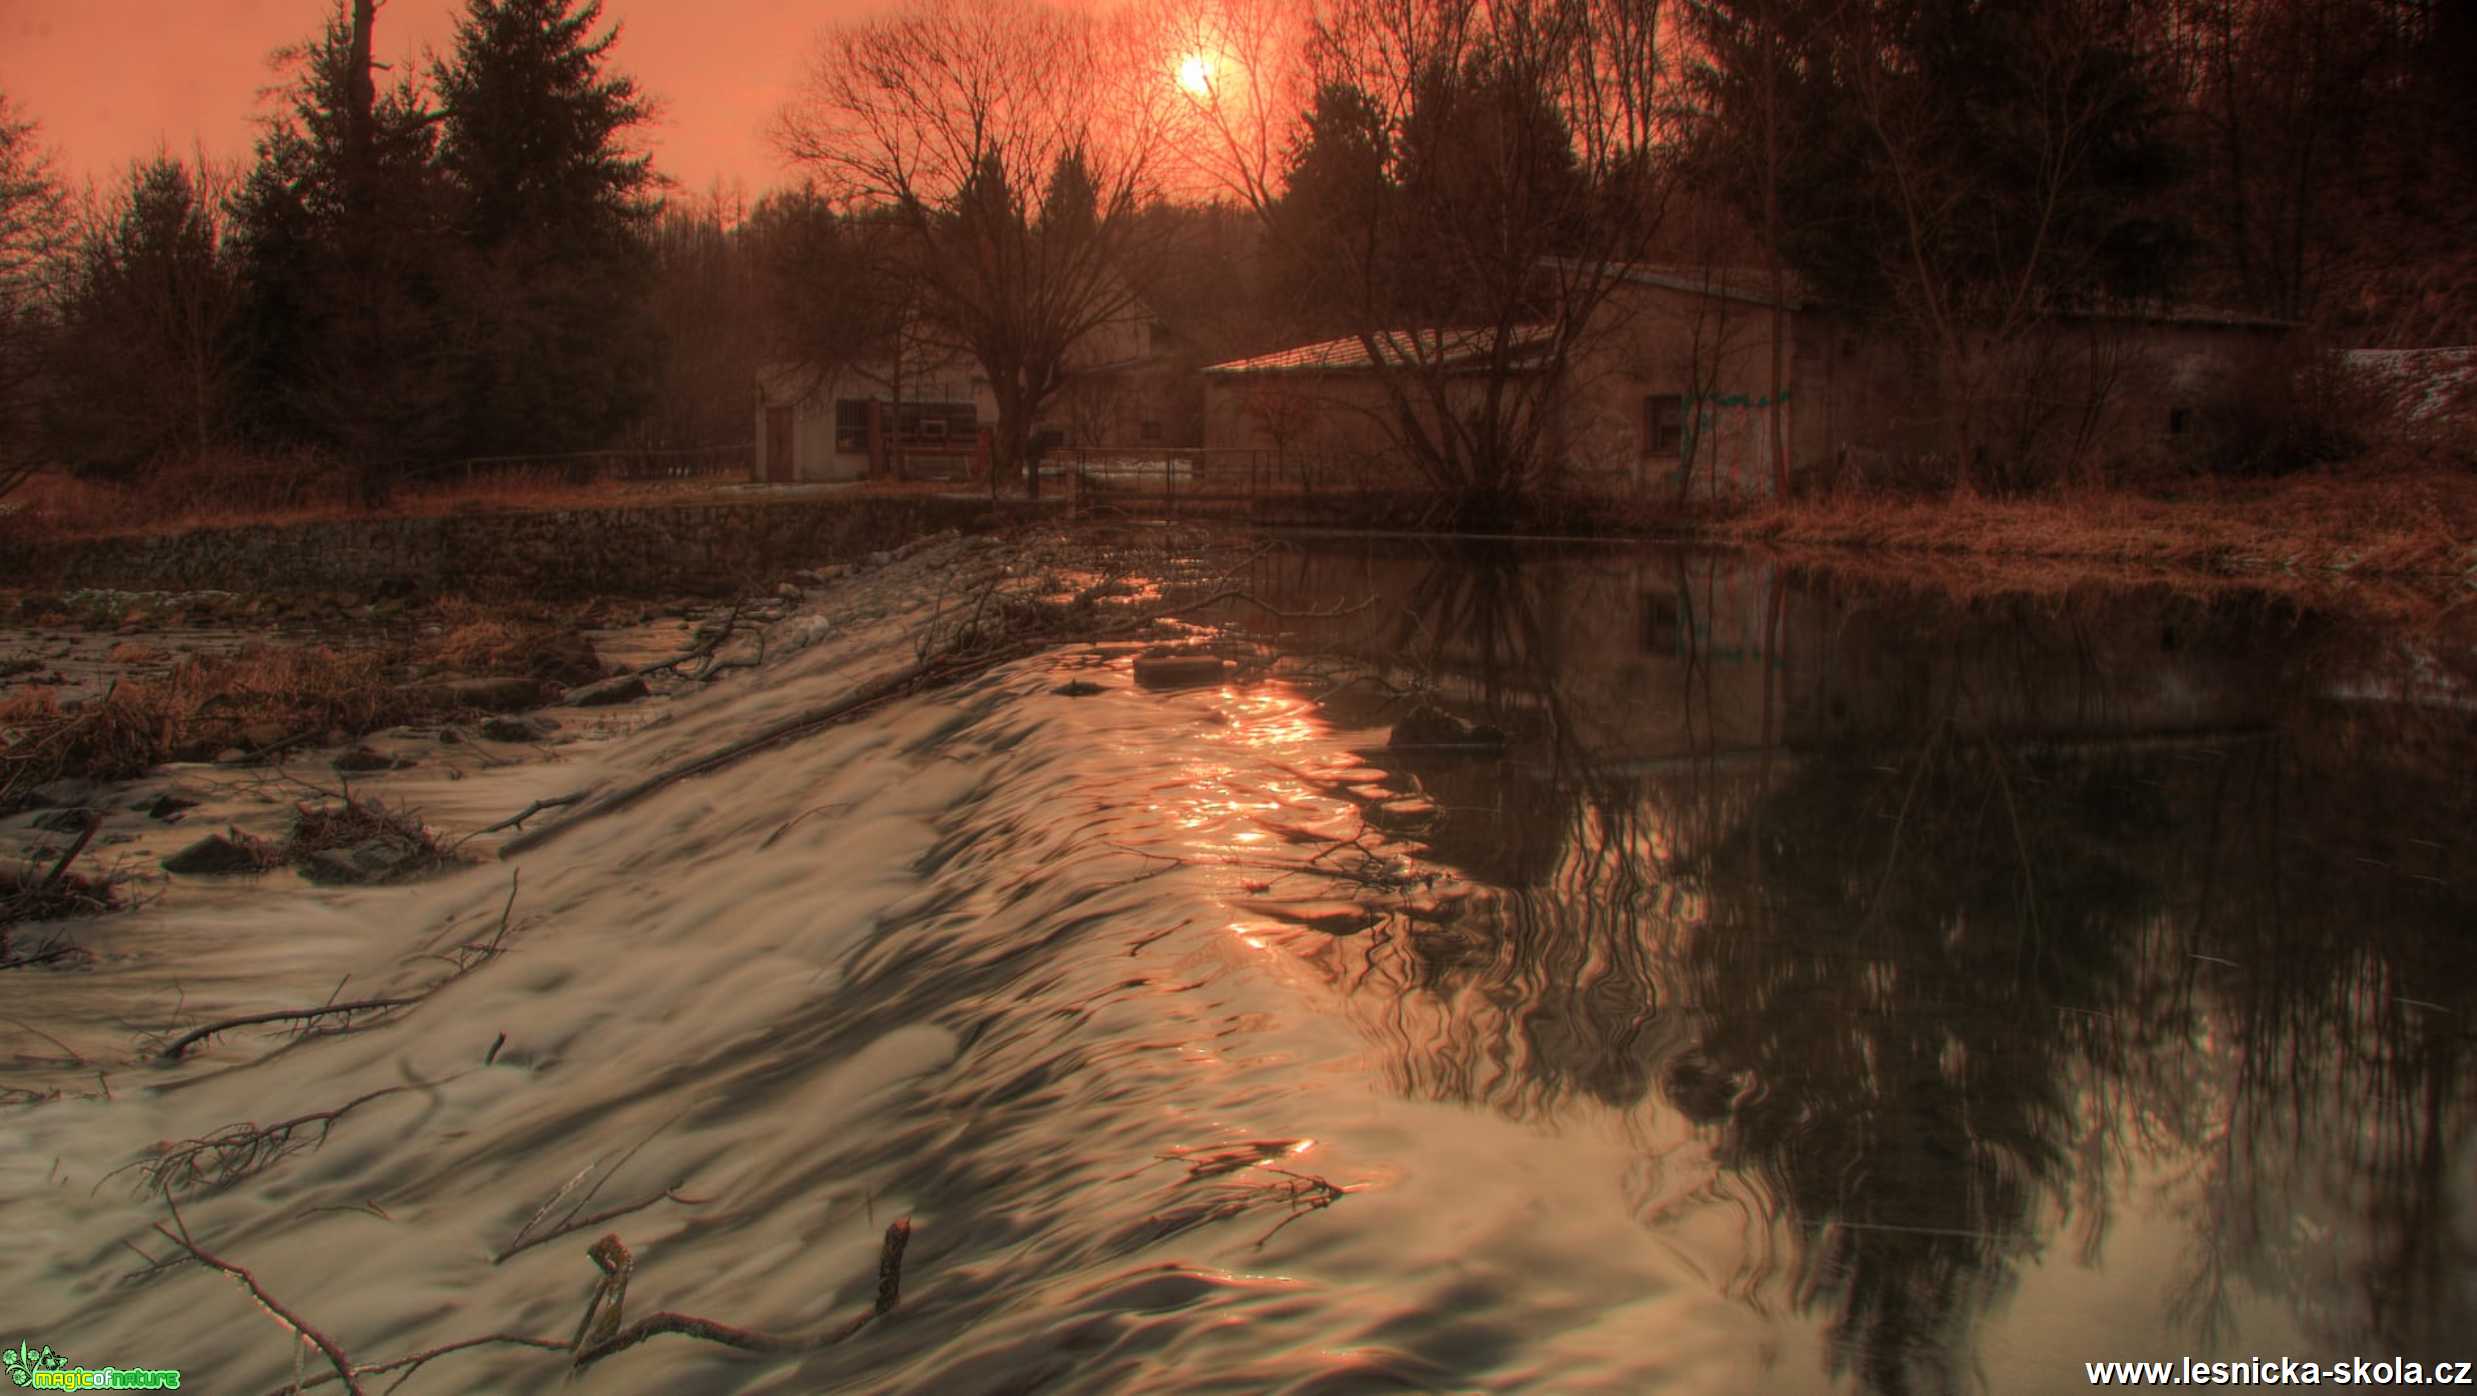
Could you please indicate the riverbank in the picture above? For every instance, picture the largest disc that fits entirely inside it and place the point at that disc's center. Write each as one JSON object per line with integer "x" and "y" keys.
{"x": 2421, "y": 526}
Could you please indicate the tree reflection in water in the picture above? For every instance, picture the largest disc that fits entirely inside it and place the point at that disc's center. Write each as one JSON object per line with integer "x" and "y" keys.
{"x": 1936, "y": 933}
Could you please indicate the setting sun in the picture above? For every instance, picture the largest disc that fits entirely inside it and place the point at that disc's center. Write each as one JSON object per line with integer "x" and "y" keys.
{"x": 1195, "y": 74}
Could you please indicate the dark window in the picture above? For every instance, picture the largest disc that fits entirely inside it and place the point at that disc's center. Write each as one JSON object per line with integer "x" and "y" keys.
{"x": 851, "y": 426}
{"x": 1150, "y": 431}
{"x": 1664, "y": 424}
{"x": 2179, "y": 420}
{"x": 1664, "y": 623}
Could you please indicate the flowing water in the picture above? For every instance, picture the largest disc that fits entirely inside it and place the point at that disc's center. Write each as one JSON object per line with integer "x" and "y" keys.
{"x": 1826, "y": 987}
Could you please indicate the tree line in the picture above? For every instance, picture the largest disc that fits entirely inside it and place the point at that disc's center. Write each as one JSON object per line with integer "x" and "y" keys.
{"x": 412, "y": 267}
{"x": 476, "y": 259}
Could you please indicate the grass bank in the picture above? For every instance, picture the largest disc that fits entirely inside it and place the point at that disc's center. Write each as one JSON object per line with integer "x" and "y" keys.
{"x": 2420, "y": 525}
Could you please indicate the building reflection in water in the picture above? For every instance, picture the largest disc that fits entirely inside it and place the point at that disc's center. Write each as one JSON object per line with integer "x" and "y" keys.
{"x": 1938, "y": 934}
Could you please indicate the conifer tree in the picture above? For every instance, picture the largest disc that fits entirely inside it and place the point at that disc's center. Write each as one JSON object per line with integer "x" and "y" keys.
{"x": 554, "y": 211}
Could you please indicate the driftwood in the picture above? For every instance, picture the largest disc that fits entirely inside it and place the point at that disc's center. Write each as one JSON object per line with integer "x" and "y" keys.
{"x": 474, "y": 955}
{"x": 598, "y": 1332}
{"x": 180, "y": 1045}
{"x": 84, "y": 838}
{"x": 703, "y": 649}
{"x": 240, "y": 1151}
{"x": 178, "y": 1234}
{"x": 517, "y": 820}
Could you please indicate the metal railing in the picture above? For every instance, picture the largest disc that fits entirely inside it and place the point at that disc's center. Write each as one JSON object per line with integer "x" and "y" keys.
{"x": 627, "y": 464}
{"x": 1187, "y": 480}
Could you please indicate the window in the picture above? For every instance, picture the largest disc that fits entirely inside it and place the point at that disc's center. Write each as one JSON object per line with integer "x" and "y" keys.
{"x": 1664, "y": 424}
{"x": 2179, "y": 420}
{"x": 1150, "y": 432}
{"x": 1663, "y": 623}
{"x": 851, "y": 426}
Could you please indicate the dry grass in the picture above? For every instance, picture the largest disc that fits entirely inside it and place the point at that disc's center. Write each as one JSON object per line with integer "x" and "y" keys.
{"x": 2421, "y": 524}
{"x": 354, "y": 822}
{"x": 30, "y": 893}
{"x": 237, "y": 491}
{"x": 207, "y": 703}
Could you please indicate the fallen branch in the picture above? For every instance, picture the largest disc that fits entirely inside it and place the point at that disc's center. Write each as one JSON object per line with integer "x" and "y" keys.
{"x": 517, "y": 820}
{"x": 598, "y": 1332}
{"x": 573, "y": 1225}
{"x": 84, "y": 838}
{"x": 178, "y": 1234}
{"x": 411, "y": 1362}
{"x": 188, "y": 1040}
{"x": 238, "y": 1151}
{"x": 703, "y": 649}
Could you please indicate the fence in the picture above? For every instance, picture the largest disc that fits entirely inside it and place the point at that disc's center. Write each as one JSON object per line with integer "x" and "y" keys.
{"x": 1241, "y": 481}
{"x": 734, "y": 461}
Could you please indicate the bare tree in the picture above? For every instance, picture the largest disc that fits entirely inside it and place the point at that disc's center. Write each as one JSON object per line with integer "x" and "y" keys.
{"x": 1013, "y": 143}
{"x": 33, "y": 231}
{"x": 1518, "y": 166}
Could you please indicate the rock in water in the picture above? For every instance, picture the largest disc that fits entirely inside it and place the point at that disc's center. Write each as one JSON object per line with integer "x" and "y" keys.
{"x": 376, "y": 860}
{"x": 166, "y": 804}
{"x": 564, "y": 657}
{"x": 493, "y": 695}
{"x": 213, "y": 854}
{"x": 1179, "y": 670}
{"x": 517, "y": 729}
{"x": 1428, "y": 726}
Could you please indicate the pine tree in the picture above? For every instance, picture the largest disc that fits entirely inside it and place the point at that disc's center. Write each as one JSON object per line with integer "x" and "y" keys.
{"x": 343, "y": 250}
{"x": 142, "y": 357}
{"x": 32, "y": 223}
{"x": 555, "y": 212}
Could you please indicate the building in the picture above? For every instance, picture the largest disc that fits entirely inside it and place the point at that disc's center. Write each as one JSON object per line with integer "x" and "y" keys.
{"x": 927, "y": 412}
{"x": 903, "y": 417}
{"x": 1668, "y": 387}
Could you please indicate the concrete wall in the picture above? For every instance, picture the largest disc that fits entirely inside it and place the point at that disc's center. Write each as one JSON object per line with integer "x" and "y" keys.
{"x": 2071, "y": 398}
{"x": 667, "y": 550}
{"x": 1712, "y": 350}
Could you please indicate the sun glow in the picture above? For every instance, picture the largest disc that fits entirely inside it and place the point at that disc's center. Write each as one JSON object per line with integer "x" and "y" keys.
{"x": 1195, "y": 75}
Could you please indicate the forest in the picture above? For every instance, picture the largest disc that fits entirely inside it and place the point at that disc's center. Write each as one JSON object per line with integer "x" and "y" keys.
{"x": 476, "y": 259}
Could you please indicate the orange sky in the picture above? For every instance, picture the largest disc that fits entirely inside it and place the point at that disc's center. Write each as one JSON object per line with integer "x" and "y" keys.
{"x": 113, "y": 80}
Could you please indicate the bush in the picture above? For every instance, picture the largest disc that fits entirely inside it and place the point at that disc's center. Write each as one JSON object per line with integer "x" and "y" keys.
{"x": 2291, "y": 407}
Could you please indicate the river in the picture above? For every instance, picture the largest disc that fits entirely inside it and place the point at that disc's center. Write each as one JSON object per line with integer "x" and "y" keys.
{"x": 1829, "y": 985}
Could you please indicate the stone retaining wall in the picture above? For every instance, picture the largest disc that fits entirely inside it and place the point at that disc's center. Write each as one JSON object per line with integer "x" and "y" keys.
{"x": 692, "y": 549}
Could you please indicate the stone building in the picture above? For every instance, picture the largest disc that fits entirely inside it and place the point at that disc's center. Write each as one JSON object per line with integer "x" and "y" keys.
{"x": 1668, "y": 388}
{"x": 926, "y": 411}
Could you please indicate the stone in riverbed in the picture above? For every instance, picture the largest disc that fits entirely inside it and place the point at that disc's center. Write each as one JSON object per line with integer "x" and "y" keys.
{"x": 63, "y": 794}
{"x": 1178, "y": 670}
{"x": 375, "y": 860}
{"x": 491, "y": 695}
{"x": 564, "y": 657}
{"x": 362, "y": 759}
{"x": 166, "y": 804}
{"x": 212, "y": 855}
{"x": 1434, "y": 727}
{"x": 64, "y": 821}
{"x": 517, "y": 729}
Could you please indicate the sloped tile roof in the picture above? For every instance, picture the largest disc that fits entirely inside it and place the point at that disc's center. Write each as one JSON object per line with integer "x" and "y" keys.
{"x": 1401, "y": 347}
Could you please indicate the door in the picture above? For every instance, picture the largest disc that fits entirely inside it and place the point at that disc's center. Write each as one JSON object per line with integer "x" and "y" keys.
{"x": 778, "y": 468}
